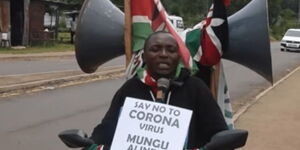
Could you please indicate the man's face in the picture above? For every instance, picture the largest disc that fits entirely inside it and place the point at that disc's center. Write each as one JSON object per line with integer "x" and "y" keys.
{"x": 161, "y": 55}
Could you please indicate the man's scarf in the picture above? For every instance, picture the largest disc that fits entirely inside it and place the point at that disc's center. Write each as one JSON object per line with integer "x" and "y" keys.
{"x": 145, "y": 76}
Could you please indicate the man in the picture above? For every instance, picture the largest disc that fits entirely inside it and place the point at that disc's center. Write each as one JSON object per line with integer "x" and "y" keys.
{"x": 161, "y": 57}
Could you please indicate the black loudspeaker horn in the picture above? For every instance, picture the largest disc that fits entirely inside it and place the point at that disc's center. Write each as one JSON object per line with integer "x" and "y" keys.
{"x": 249, "y": 43}
{"x": 99, "y": 34}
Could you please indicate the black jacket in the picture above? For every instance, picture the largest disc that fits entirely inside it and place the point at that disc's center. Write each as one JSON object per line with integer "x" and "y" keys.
{"x": 186, "y": 92}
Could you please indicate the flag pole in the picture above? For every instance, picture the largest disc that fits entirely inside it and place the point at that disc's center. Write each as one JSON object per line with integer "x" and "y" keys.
{"x": 127, "y": 31}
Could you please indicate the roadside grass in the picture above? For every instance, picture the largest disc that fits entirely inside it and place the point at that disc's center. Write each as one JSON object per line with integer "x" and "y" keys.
{"x": 56, "y": 47}
{"x": 61, "y": 45}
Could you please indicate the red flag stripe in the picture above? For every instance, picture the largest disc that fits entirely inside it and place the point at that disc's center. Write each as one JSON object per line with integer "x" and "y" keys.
{"x": 226, "y": 2}
{"x": 157, "y": 23}
{"x": 182, "y": 48}
{"x": 142, "y": 8}
{"x": 211, "y": 44}
{"x": 210, "y": 55}
{"x": 99, "y": 147}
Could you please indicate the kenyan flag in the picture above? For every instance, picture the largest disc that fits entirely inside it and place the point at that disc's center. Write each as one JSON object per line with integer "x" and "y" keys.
{"x": 209, "y": 39}
{"x": 142, "y": 15}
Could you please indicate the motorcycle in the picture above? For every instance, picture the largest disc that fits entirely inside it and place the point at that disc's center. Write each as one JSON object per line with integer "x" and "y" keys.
{"x": 224, "y": 140}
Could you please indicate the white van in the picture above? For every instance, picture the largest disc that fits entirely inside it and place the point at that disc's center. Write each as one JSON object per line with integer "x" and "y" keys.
{"x": 291, "y": 40}
{"x": 177, "y": 22}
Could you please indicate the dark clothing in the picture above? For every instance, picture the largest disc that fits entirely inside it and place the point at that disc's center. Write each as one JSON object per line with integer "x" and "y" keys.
{"x": 186, "y": 92}
{"x": 204, "y": 73}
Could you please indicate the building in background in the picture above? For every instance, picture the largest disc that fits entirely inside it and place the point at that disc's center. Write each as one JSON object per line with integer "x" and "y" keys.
{"x": 26, "y": 22}
{"x": 71, "y": 23}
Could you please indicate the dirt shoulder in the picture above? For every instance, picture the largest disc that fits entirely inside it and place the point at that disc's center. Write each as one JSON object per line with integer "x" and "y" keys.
{"x": 273, "y": 121}
{"x": 25, "y": 83}
{"x": 37, "y": 56}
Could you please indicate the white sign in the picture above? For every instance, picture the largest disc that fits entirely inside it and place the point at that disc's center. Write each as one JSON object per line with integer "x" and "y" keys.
{"x": 4, "y": 36}
{"x": 146, "y": 125}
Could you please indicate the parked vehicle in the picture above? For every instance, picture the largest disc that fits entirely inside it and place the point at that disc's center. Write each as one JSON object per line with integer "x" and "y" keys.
{"x": 177, "y": 22}
{"x": 291, "y": 40}
{"x": 224, "y": 140}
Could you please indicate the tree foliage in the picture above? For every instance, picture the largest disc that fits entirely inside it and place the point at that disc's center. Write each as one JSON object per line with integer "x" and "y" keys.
{"x": 282, "y": 13}
{"x": 192, "y": 11}
{"x": 236, "y": 5}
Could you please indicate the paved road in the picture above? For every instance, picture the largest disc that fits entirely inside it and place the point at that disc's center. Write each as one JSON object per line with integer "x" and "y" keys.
{"x": 244, "y": 83}
{"x": 12, "y": 67}
{"x": 283, "y": 62}
{"x": 33, "y": 121}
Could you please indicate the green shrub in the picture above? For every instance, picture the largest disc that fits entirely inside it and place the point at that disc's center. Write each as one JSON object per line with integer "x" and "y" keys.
{"x": 286, "y": 20}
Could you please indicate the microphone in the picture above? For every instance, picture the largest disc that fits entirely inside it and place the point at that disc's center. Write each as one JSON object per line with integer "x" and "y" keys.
{"x": 163, "y": 85}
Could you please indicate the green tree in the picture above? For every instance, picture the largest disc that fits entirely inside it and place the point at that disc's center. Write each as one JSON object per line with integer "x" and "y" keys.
{"x": 282, "y": 16}
{"x": 274, "y": 11}
{"x": 282, "y": 13}
{"x": 192, "y": 11}
{"x": 291, "y": 4}
{"x": 287, "y": 19}
{"x": 236, "y": 5}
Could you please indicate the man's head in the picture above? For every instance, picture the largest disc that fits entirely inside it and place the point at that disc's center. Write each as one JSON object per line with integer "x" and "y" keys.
{"x": 161, "y": 55}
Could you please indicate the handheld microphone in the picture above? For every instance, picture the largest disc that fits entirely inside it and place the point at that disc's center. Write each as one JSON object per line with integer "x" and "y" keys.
{"x": 163, "y": 85}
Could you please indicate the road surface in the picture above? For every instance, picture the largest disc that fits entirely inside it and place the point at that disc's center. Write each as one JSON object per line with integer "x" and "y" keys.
{"x": 33, "y": 121}
{"x": 14, "y": 67}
